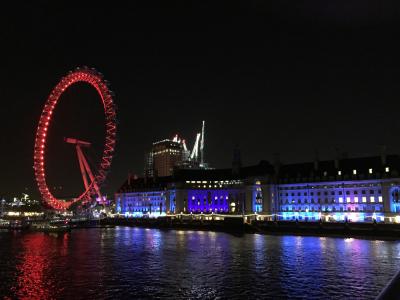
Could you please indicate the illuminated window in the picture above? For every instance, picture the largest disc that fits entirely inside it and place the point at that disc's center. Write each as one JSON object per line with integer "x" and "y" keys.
{"x": 348, "y": 199}
{"x": 340, "y": 199}
{"x": 387, "y": 169}
{"x": 354, "y": 172}
{"x": 372, "y": 199}
{"x": 355, "y": 199}
{"x": 370, "y": 171}
{"x": 380, "y": 199}
{"x": 364, "y": 199}
{"x": 339, "y": 173}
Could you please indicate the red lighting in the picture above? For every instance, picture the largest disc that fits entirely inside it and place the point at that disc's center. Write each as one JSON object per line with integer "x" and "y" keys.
{"x": 94, "y": 79}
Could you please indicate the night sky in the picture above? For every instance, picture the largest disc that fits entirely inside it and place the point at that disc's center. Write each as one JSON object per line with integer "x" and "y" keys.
{"x": 271, "y": 76}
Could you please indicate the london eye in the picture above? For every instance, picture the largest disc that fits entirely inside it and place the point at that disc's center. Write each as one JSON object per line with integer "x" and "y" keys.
{"x": 92, "y": 178}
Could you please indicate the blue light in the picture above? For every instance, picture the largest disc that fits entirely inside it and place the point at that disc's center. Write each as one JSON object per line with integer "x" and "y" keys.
{"x": 208, "y": 201}
{"x": 257, "y": 198}
{"x": 172, "y": 201}
{"x": 139, "y": 204}
{"x": 337, "y": 216}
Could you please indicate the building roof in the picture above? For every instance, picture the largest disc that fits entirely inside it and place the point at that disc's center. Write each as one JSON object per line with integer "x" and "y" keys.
{"x": 326, "y": 170}
{"x": 286, "y": 173}
{"x": 264, "y": 168}
{"x": 145, "y": 183}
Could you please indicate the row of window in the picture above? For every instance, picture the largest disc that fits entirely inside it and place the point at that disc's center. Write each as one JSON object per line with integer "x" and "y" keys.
{"x": 354, "y": 172}
{"x": 205, "y": 202}
{"x": 333, "y": 209}
{"x": 142, "y": 210}
{"x": 143, "y": 203}
{"x": 338, "y": 173}
{"x": 215, "y": 197}
{"x": 216, "y": 182}
{"x": 145, "y": 197}
{"x": 302, "y": 187}
{"x": 363, "y": 199}
{"x": 363, "y": 192}
{"x": 196, "y": 210}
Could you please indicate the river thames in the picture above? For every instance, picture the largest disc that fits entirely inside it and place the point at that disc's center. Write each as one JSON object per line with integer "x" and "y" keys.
{"x": 125, "y": 262}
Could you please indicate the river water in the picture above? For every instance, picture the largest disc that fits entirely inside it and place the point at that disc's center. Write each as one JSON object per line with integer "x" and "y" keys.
{"x": 136, "y": 263}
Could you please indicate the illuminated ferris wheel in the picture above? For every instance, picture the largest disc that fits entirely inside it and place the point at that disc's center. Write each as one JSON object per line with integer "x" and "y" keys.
{"x": 92, "y": 179}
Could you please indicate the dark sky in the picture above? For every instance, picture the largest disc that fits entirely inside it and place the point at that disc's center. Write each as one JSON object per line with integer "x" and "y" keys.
{"x": 272, "y": 76}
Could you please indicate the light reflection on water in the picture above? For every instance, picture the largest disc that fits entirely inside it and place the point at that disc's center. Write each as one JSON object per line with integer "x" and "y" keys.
{"x": 149, "y": 263}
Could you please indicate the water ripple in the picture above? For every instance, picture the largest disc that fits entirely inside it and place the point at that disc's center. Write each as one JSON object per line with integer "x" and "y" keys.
{"x": 154, "y": 264}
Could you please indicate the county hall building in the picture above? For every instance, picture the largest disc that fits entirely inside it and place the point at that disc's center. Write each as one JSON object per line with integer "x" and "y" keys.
{"x": 347, "y": 189}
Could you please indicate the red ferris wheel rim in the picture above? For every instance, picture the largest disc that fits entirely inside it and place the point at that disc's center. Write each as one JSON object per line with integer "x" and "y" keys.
{"x": 95, "y": 79}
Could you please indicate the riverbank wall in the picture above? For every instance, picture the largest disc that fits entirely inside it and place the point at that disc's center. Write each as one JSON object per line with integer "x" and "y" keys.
{"x": 236, "y": 225}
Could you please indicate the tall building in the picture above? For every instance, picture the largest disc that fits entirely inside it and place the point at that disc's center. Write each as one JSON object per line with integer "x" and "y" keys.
{"x": 166, "y": 155}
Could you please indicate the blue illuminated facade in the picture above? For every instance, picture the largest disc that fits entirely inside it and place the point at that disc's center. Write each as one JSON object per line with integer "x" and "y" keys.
{"x": 172, "y": 201}
{"x": 214, "y": 200}
{"x": 352, "y": 190}
{"x": 332, "y": 197}
{"x": 257, "y": 197}
{"x": 152, "y": 203}
{"x": 394, "y": 195}
{"x": 208, "y": 201}
{"x": 346, "y": 200}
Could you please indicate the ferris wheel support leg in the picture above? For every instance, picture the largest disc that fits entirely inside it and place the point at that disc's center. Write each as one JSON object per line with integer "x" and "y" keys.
{"x": 82, "y": 167}
{"x": 89, "y": 172}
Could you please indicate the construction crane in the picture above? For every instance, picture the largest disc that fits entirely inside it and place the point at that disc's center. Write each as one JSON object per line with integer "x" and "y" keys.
{"x": 184, "y": 146}
{"x": 202, "y": 144}
{"x": 194, "y": 156}
{"x": 198, "y": 147}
